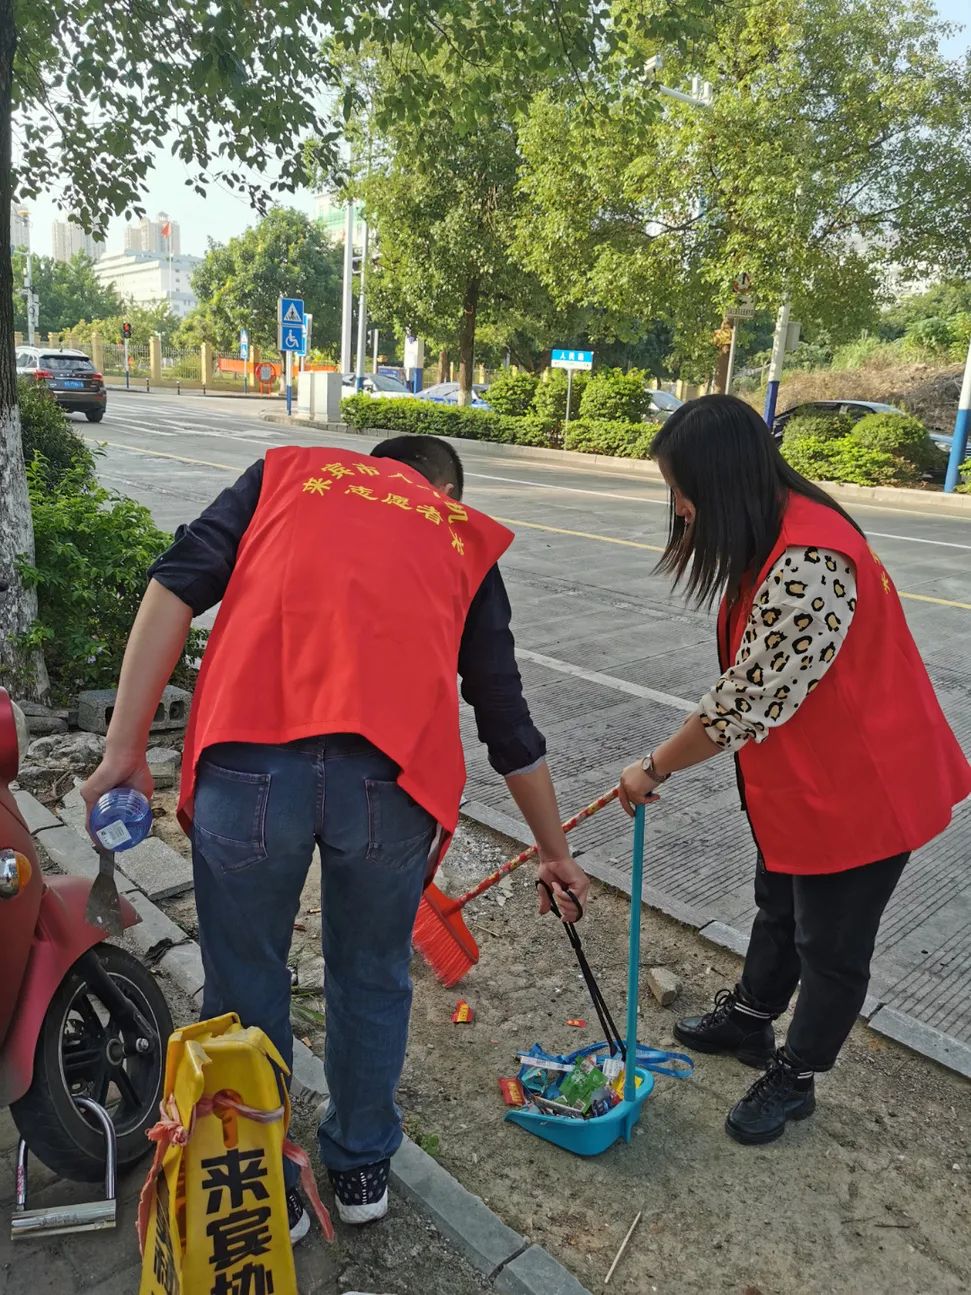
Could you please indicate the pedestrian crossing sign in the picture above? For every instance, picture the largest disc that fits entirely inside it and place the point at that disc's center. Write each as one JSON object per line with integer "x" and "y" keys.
{"x": 291, "y": 311}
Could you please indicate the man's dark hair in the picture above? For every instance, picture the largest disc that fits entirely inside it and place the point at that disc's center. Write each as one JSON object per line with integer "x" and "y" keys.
{"x": 434, "y": 458}
{"x": 722, "y": 458}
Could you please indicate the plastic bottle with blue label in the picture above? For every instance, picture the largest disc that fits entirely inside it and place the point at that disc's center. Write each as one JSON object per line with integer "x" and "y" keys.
{"x": 121, "y": 819}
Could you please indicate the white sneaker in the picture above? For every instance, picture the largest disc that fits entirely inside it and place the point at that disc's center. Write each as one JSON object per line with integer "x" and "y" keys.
{"x": 297, "y": 1217}
{"x": 361, "y": 1194}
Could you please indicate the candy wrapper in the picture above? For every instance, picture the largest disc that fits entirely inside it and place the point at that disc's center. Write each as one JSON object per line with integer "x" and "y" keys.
{"x": 463, "y": 1014}
{"x": 512, "y": 1092}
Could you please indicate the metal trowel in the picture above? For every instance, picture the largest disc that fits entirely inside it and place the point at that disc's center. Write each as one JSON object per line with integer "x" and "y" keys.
{"x": 103, "y": 908}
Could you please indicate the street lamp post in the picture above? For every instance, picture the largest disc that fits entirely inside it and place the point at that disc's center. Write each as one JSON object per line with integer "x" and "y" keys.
{"x": 348, "y": 289}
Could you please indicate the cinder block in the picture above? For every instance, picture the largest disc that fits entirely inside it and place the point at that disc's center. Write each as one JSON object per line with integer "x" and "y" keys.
{"x": 663, "y": 984}
{"x": 164, "y": 764}
{"x": 96, "y": 706}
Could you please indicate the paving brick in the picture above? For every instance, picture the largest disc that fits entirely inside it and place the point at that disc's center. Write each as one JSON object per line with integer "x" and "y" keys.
{"x": 156, "y": 869}
{"x": 164, "y": 763}
{"x": 155, "y": 933}
{"x": 71, "y": 854}
{"x": 34, "y": 814}
{"x": 465, "y": 1219}
{"x": 184, "y": 965}
{"x": 535, "y": 1272}
{"x": 663, "y": 984}
{"x": 308, "y": 1084}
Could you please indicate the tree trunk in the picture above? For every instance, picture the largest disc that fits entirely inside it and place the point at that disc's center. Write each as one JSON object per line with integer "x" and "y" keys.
{"x": 467, "y": 341}
{"x": 24, "y": 675}
{"x": 443, "y": 365}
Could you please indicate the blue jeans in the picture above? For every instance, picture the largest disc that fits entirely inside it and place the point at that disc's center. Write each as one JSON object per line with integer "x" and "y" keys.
{"x": 259, "y": 811}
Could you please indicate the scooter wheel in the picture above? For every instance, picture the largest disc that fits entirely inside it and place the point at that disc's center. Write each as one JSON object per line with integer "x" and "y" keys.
{"x": 85, "y": 1050}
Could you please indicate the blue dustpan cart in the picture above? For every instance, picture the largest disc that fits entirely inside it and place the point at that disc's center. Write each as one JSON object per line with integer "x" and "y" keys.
{"x": 590, "y": 1137}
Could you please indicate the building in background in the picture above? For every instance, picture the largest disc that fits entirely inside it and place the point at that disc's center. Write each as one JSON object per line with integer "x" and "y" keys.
{"x": 19, "y": 228}
{"x": 160, "y": 236}
{"x": 330, "y": 216}
{"x": 69, "y": 239}
{"x": 148, "y": 279}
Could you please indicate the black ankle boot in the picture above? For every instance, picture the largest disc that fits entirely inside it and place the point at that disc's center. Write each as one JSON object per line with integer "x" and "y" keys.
{"x": 780, "y": 1095}
{"x": 730, "y": 1028}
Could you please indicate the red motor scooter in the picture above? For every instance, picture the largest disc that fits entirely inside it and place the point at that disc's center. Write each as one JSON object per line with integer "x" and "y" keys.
{"x": 83, "y": 1025}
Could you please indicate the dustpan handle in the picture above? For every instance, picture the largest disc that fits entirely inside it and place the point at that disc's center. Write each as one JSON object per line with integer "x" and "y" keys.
{"x": 634, "y": 954}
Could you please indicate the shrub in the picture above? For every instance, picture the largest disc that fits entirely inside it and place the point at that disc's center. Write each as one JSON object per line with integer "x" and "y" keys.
{"x": 93, "y": 549}
{"x": 861, "y": 466}
{"x": 931, "y": 336}
{"x": 810, "y": 455}
{"x": 612, "y": 437}
{"x": 512, "y": 393}
{"x": 900, "y": 435}
{"x": 965, "y": 473}
{"x": 549, "y": 403}
{"x": 818, "y": 427}
{"x": 616, "y": 397}
{"x": 45, "y": 431}
{"x": 534, "y": 431}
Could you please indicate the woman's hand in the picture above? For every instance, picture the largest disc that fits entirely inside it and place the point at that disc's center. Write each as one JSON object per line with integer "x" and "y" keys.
{"x": 636, "y": 788}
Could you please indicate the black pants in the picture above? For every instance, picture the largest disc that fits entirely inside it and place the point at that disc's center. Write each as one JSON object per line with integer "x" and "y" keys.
{"x": 819, "y": 930}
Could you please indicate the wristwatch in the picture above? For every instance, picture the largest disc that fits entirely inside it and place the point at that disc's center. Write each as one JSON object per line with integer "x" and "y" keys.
{"x": 647, "y": 764}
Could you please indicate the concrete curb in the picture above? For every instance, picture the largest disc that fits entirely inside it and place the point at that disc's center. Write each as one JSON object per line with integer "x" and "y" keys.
{"x": 507, "y": 1259}
{"x": 954, "y": 1054}
{"x": 901, "y": 498}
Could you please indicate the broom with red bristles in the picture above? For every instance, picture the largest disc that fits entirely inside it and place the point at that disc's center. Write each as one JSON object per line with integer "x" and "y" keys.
{"x": 440, "y": 933}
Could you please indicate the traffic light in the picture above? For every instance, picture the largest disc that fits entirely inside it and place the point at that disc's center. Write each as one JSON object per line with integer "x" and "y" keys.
{"x": 126, "y": 330}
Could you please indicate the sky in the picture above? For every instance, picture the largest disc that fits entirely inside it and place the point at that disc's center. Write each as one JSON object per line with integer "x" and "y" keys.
{"x": 222, "y": 214}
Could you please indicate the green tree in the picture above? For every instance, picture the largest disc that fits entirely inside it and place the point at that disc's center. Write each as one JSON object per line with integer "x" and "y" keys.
{"x": 238, "y": 283}
{"x": 835, "y": 147}
{"x": 98, "y": 86}
{"x": 67, "y": 291}
{"x": 145, "y": 322}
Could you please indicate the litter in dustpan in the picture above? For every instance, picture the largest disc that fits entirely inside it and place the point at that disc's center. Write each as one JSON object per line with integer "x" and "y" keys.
{"x": 584, "y": 1101}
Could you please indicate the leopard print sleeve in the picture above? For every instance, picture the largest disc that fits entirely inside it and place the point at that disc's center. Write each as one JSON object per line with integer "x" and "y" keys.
{"x": 799, "y": 620}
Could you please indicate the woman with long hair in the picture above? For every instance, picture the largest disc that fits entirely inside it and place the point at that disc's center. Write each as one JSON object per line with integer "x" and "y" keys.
{"x": 845, "y": 761}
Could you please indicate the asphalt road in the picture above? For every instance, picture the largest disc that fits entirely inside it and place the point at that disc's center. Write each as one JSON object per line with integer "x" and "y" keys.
{"x": 612, "y": 660}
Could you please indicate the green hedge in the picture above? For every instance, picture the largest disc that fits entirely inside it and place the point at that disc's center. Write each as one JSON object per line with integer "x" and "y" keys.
{"x": 877, "y": 450}
{"x": 512, "y": 392}
{"x": 902, "y": 436}
{"x": 589, "y": 435}
{"x": 623, "y": 440}
{"x": 549, "y": 403}
{"x": 818, "y": 427}
{"x": 45, "y": 432}
{"x": 616, "y": 397}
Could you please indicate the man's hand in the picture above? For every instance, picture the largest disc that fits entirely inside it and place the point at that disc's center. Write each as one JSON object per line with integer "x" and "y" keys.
{"x": 118, "y": 770}
{"x": 562, "y": 875}
{"x": 636, "y": 788}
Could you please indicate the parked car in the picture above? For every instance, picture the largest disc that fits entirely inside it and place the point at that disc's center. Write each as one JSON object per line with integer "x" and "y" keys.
{"x": 854, "y": 409}
{"x": 70, "y": 376}
{"x": 447, "y": 393}
{"x": 379, "y": 385}
{"x": 662, "y": 406}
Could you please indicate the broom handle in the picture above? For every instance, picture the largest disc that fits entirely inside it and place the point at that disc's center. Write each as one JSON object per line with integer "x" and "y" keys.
{"x": 512, "y": 864}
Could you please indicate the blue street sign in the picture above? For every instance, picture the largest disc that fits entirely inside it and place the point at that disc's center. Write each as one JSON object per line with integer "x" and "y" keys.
{"x": 291, "y": 311}
{"x": 293, "y": 338}
{"x": 243, "y": 344}
{"x": 570, "y": 359}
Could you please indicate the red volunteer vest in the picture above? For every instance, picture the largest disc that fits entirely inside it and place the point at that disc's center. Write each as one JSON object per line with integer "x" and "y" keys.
{"x": 344, "y": 614}
{"x": 868, "y": 767}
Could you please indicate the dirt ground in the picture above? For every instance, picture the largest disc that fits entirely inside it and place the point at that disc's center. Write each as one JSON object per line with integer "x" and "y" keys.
{"x": 871, "y": 1195}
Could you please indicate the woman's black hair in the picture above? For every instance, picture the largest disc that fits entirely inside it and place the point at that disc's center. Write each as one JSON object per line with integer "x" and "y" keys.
{"x": 721, "y": 456}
